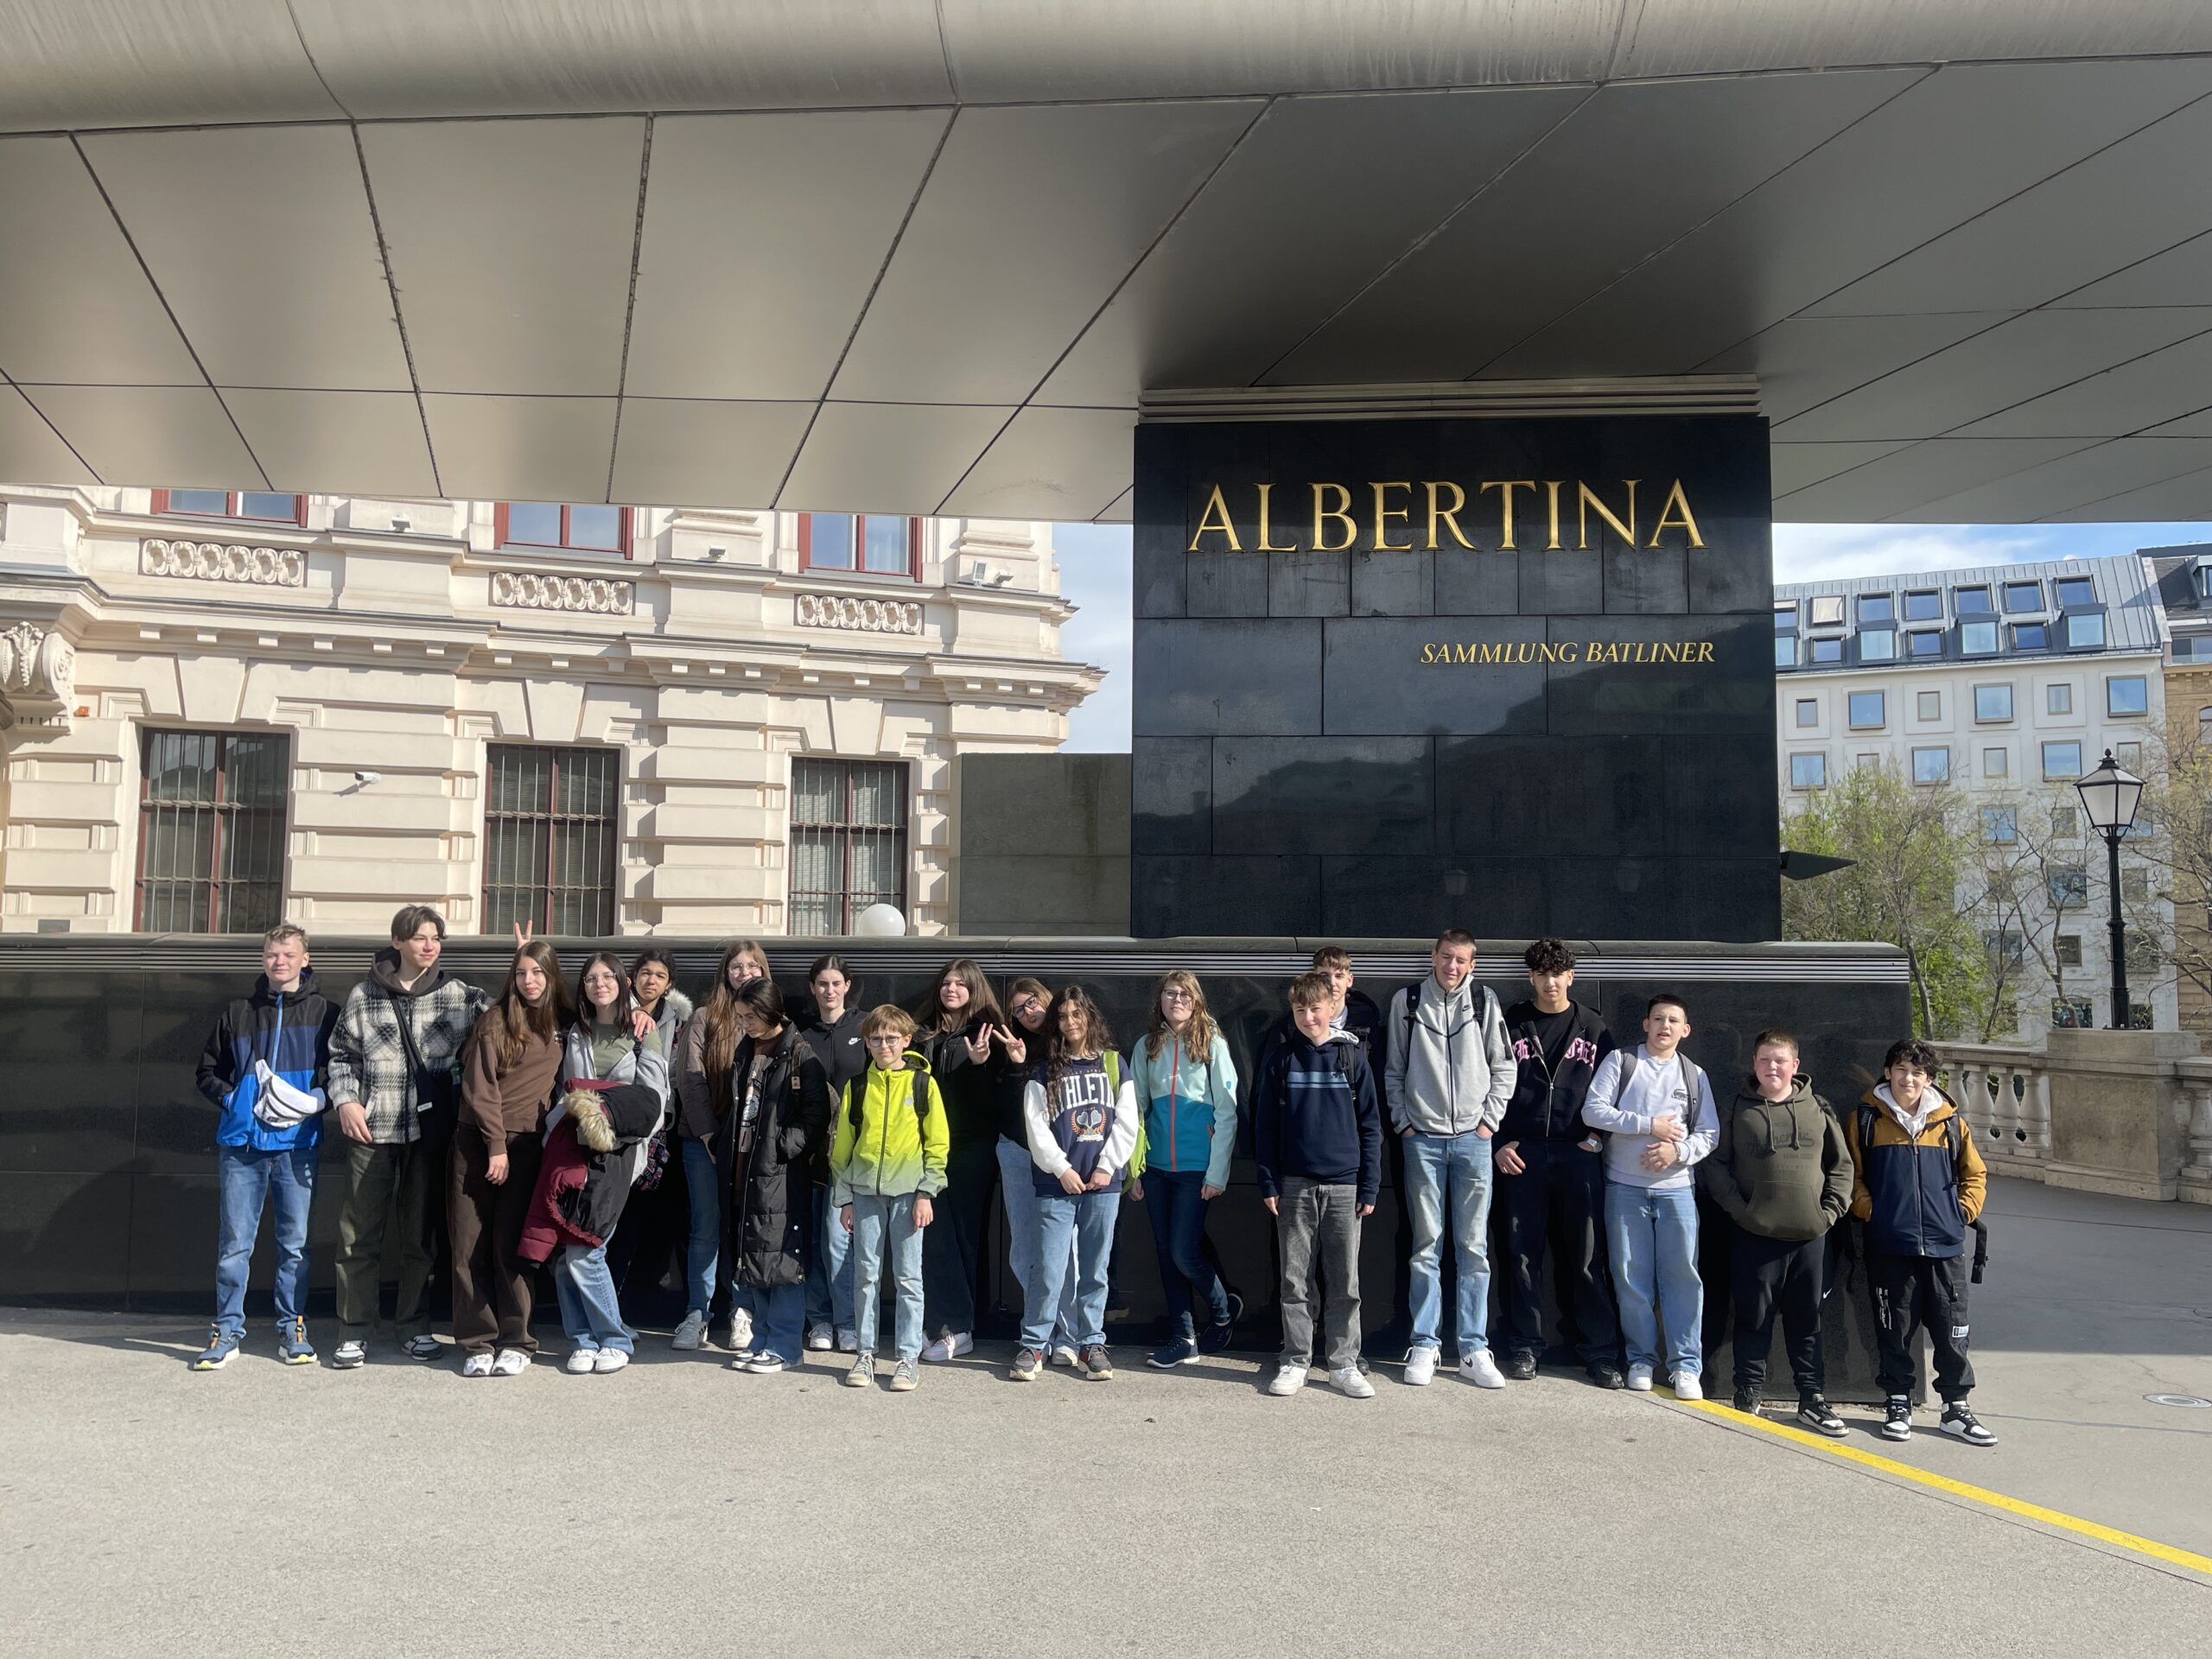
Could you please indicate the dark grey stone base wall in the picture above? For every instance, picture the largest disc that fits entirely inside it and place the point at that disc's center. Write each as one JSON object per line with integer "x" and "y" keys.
{"x": 1041, "y": 844}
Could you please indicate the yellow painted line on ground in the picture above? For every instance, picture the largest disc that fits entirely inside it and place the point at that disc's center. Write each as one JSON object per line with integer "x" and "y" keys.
{"x": 2010, "y": 1505}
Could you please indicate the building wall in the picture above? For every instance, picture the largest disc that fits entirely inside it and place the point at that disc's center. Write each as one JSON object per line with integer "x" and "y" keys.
{"x": 395, "y": 638}
{"x": 2188, "y": 698}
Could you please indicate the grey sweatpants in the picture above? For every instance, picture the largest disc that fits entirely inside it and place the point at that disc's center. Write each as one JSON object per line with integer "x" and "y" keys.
{"x": 1318, "y": 1218}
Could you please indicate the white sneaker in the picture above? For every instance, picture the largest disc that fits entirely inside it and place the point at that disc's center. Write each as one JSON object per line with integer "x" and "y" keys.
{"x": 510, "y": 1362}
{"x": 1688, "y": 1387}
{"x": 579, "y": 1362}
{"x": 820, "y": 1338}
{"x": 1420, "y": 1367}
{"x": 1287, "y": 1379}
{"x": 1639, "y": 1379}
{"x": 950, "y": 1345}
{"x": 1479, "y": 1369}
{"x": 691, "y": 1334}
{"x": 740, "y": 1331}
{"x": 1352, "y": 1383}
{"x": 1063, "y": 1353}
{"x": 476, "y": 1365}
{"x": 610, "y": 1359}
{"x": 767, "y": 1363}
{"x": 849, "y": 1342}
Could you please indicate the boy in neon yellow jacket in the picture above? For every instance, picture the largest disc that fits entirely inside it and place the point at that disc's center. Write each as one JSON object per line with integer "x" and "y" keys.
{"x": 886, "y": 1165}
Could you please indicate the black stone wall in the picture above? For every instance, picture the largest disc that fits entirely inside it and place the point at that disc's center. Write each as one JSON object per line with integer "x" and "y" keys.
{"x": 1297, "y": 767}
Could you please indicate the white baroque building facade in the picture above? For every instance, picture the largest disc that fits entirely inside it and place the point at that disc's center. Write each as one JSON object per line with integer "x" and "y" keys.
{"x": 222, "y": 708}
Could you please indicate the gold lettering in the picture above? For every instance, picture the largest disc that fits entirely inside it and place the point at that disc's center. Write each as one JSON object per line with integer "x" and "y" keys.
{"x": 1586, "y": 499}
{"x": 1463, "y": 653}
{"x": 1216, "y": 505}
{"x": 1505, "y": 487}
{"x": 1668, "y": 521}
{"x": 1339, "y": 512}
{"x": 1267, "y": 546}
{"x": 1384, "y": 513}
{"x": 1551, "y": 652}
{"x": 1569, "y": 651}
{"x": 1551, "y": 490}
{"x": 1704, "y": 648}
{"x": 1429, "y": 652}
{"x": 1445, "y": 515}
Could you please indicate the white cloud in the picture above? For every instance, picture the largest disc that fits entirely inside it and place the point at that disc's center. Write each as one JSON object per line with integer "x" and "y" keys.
{"x": 1833, "y": 552}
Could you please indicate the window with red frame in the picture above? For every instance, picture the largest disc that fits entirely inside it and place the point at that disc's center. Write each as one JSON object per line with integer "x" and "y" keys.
{"x": 211, "y": 831}
{"x": 579, "y": 526}
{"x": 872, "y": 543}
{"x": 264, "y": 506}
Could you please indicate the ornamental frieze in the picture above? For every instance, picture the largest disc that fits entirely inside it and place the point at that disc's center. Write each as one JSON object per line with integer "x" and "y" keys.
{"x": 860, "y": 615}
{"x": 530, "y": 590}
{"x": 260, "y": 567}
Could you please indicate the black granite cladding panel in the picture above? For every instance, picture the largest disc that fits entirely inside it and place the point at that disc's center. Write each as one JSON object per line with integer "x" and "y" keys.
{"x": 1555, "y": 630}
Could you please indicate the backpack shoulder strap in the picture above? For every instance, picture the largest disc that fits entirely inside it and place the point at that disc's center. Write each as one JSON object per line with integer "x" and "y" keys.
{"x": 1413, "y": 1006}
{"x": 854, "y": 1089}
{"x": 1112, "y": 1061}
{"x": 1864, "y": 1119}
{"x": 919, "y": 1070}
{"x": 1628, "y": 1072}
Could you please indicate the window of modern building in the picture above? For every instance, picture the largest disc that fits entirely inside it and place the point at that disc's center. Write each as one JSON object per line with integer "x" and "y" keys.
{"x": 2127, "y": 694}
{"x": 579, "y": 526}
{"x": 2000, "y": 825}
{"x": 2058, "y": 699}
{"x": 1972, "y": 602}
{"x": 2129, "y": 755}
{"x": 1785, "y": 651}
{"x": 872, "y": 543}
{"x": 1866, "y": 762}
{"x": 1924, "y": 642}
{"x": 2074, "y": 592}
{"x": 1924, "y": 606}
{"x": 2030, "y": 636}
{"x": 2069, "y": 887}
{"x": 1785, "y": 616}
{"x": 1876, "y": 608}
{"x": 1931, "y": 766}
{"x": 2193, "y": 648}
{"x": 1808, "y": 771}
{"x": 551, "y": 829}
{"x": 1826, "y": 651}
{"x": 2134, "y": 886}
{"x": 2007, "y": 948}
{"x": 1992, "y": 702}
{"x": 2086, "y": 632}
{"x": 257, "y": 505}
{"x": 2022, "y": 596}
{"x": 849, "y": 842}
{"x": 1824, "y": 611}
{"x": 1996, "y": 763}
{"x": 2067, "y": 947}
{"x": 1977, "y": 639}
{"x": 1878, "y": 645}
{"x": 1808, "y": 712}
{"x": 2064, "y": 821}
{"x": 1930, "y": 704}
{"x": 2062, "y": 761}
{"x": 2205, "y": 726}
{"x": 211, "y": 831}
{"x": 1868, "y": 710}
{"x": 2072, "y": 1013}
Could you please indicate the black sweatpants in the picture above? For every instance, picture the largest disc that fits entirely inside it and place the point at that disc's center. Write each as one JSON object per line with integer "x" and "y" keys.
{"x": 1771, "y": 1275}
{"x": 1556, "y": 1207}
{"x": 1910, "y": 1293}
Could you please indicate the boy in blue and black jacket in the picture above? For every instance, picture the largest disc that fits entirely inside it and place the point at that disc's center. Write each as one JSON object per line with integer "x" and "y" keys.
{"x": 1318, "y": 1127}
{"x": 263, "y": 1066}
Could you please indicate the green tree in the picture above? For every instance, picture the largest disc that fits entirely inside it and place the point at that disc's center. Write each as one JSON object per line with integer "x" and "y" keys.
{"x": 1910, "y": 851}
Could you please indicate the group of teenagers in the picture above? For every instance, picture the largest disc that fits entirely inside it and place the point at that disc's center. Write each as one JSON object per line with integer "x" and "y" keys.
{"x": 824, "y": 1151}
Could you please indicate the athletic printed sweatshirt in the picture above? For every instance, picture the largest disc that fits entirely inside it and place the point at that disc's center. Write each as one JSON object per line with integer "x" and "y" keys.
{"x": 1078, "y": 1121}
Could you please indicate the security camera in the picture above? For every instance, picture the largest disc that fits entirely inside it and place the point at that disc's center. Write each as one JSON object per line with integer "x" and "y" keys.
{"x": 368, "y": 777}
{"x": 402, "y": 523}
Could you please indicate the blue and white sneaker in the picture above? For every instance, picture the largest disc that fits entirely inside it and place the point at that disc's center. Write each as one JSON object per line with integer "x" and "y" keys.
{"x": 293, "y": 1347}
{"x": 221, "y": 1347}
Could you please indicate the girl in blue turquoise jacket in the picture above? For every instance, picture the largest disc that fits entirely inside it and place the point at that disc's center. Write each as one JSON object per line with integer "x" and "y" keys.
{"x": 1186, "y": 1084}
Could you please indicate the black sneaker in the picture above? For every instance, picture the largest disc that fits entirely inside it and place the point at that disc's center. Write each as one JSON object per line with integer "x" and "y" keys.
{"x": 1183, "y": 1351}
{"x": 1604, "y": 1374}
{"x": 1747, "y": 1401}
{"x": 1215, "y": 1338}
{"x": 1897, "y": 1419}
{"x": 1815, "y": 1413}
{"x": 1098, "y": 1364}
{"x": 1960, "y": 1424}
{"x": 1025, "y": 1366}
{"x": 1521, "y": 1367}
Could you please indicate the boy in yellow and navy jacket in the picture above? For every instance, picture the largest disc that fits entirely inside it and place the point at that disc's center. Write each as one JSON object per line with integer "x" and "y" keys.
{"x": 885, "y": 1167}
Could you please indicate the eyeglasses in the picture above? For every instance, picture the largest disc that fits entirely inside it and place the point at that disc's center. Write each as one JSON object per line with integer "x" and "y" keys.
{"x": 1175, "y": 996}
{"x": 1028, "y": 1005}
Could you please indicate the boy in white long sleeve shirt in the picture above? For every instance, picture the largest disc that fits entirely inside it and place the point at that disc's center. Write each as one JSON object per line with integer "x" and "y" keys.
{"x": 1656, "y": 1109}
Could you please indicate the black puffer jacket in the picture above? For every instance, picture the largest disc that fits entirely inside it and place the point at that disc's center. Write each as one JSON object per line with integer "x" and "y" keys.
{"x": 971, "y": 1087}
{"x": 771, "y": 1205}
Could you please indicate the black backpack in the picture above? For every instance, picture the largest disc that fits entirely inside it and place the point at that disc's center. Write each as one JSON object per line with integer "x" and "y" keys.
{"x": 1955, "y": 1135}
{"x": 1483, "y": 1004}
{"x": 915, "y": 1063}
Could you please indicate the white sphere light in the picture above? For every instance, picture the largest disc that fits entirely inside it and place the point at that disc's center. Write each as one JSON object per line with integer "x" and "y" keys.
{"x": 880, "y": 922}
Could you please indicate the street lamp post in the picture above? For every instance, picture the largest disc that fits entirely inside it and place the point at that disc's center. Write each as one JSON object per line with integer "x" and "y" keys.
{"x": 2109, "y": 796}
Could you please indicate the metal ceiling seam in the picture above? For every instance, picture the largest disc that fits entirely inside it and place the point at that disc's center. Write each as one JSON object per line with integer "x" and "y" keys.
{"x": 308, "y": 51}
{"x": 890, "y": 253}
{"x": 1128, "y": 276}
{"x": 62, "y": 437}
{"x": 193, "y": 351}
{"x": 2120, "y": 495}
{"x": 2111, "y": 367}
{"x": 2088, "y": 447}
{"x": 629, "y": 306}
{"x": 944, "y": 51}
{"x": 398, "y": 316}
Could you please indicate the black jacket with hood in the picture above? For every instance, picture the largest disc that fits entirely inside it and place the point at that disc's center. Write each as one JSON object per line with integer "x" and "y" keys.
{"x": 772, "y": 1205}
{"x": 1546, "y": 1104}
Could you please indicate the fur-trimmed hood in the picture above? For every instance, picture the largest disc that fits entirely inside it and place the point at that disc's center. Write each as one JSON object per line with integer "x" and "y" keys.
{"x": 607, "y": 1118}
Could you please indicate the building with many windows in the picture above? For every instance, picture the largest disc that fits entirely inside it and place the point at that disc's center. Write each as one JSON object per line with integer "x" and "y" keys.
{"x": 2004, "y": 683}
{"x": 225, "y": 707}
{"x": 2184, "y": 579}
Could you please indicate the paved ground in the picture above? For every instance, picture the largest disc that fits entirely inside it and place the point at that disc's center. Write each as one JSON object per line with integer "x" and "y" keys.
{"x": 680, "y": 1509}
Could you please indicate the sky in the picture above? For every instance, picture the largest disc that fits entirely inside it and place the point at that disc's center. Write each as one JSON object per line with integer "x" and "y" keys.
{"x": 1095, "y": 576}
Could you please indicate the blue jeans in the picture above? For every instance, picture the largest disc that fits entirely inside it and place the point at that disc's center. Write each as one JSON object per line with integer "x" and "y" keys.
{"x": 245, "y": 1179}
{"x": 884, "y": 1227}
{"x": 591, "y": 1314}
{"x": 1653, "y": 1237}
{"x": 829, "y": 1269}
{"x": 702, "y": 1185}
{"x": 1453, "y": 1171}
{"x": 1178, "y": 1215}
{"x": 778, "y": 1316}
{"x": 1087, "y": 1224}
{"x": 1017, "y": 1171}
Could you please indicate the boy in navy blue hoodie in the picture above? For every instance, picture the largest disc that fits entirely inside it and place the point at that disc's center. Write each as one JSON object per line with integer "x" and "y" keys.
{"x": 263, "y": 1066}
{"x": 1318, "y": 1137}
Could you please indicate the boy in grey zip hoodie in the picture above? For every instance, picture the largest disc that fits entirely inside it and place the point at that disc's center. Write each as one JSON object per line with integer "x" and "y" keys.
{"x": 1450, "y": 1073}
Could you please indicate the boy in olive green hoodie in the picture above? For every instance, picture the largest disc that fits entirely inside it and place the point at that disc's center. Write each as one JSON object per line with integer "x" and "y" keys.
{"x": 886, "y": 1167}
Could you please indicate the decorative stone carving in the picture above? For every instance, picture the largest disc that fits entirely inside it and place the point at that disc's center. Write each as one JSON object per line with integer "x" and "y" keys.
{"x": 532, "y": 590}
{"x": 260, "y": 567}
{"x": 37, "y": 670}
{"x": 860, "y": 615}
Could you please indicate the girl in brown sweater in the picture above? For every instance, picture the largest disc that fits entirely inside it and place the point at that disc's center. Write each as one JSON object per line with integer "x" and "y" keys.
{"x": 508, "y": 1069}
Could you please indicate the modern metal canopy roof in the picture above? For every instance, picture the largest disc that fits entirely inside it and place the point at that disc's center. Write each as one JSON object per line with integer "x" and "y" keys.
{"x": 925, "y": 256}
